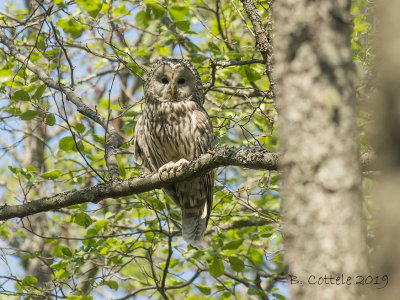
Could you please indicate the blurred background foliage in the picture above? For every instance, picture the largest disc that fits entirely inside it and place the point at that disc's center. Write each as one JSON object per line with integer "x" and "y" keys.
{"x": 132, "y": 247}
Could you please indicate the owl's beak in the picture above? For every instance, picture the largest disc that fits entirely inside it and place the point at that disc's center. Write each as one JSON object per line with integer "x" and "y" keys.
{"x": 172, "y": 90}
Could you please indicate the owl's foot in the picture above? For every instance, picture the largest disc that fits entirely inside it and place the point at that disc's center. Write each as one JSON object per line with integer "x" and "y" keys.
{"x": 172, "y": 167}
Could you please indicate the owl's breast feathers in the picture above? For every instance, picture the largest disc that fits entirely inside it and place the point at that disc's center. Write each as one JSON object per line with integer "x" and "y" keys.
{"x": 169, "y": 131}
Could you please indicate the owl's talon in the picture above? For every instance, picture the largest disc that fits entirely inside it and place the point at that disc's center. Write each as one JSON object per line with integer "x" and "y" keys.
{"x": 173, "y": 167}
{"x": 166, "y": 168}
{"x": 182, "y": 163}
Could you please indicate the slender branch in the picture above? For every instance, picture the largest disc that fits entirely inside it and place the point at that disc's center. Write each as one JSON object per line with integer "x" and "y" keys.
{"x": 225, "y": 64}
{"x": 172, "y": 287}
{"x": 241, "y": 92}
{"x": 115, "y": 139}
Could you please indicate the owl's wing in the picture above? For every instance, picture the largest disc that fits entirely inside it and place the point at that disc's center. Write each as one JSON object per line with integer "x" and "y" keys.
{"x": 139, "y": 141}
{"x": 204, "y": 141}
{"x": 203, "y": 133}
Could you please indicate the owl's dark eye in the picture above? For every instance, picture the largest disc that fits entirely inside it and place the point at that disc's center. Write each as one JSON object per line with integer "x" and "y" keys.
{"x": 164, "y": 80}
{"x": 181, "y": 81}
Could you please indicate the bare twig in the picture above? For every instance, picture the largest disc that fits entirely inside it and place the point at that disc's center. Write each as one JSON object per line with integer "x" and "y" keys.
{"x": 115, "y": 139}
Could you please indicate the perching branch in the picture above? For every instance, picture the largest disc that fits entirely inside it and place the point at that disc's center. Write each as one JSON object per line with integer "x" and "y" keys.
{"x": 224, "y": 156}
{"x": 253, "y": 158}
{"x": 115, "y": 139}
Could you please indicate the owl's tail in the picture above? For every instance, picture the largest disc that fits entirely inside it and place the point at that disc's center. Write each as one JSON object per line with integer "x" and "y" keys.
{"x": 194, "y": 223}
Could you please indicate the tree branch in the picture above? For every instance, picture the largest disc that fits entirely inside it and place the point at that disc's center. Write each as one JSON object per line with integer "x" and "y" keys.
{"x": 224, "y": 156}
{"x": 263, "y": 42}
{"x": 253, "y": 158}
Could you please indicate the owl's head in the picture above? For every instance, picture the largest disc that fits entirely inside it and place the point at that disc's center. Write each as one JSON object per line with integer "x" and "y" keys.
{"x": 173, "y": 80}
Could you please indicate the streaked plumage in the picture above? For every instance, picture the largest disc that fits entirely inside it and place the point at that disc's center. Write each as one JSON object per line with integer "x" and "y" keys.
{"x": 174, "y": 127}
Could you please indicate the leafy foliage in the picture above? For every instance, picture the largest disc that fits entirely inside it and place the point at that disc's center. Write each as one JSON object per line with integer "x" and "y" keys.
{"x": 133, "y": 245}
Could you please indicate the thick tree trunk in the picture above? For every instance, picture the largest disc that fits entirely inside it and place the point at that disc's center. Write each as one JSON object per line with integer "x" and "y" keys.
{"x": 386, "y": 255}
{"x": 323, "y": 221}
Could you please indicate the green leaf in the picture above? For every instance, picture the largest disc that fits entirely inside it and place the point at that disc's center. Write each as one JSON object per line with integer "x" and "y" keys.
{"x": 178, "y": 12}
{"x": 256, "y": 256}
{"x": 182, "y": 25}
{"x": 61, "y": 4}
{"x": 249, "y": 73}
{"x": 142, "y": 53}
{"x": 233, "y": 244}
{"x": 279, "y": 296}
{"x": 69, "y": 25}
{"x": 142, "y": 18}
{"x": 225, "y": 295}
{"x": 113, "y": 284}
{"x": 31, "y": 169}
{"x": 62, "y": 274}
{"x": 136, "y": 69}
{"x": 67, "y": 143}
{"x": 50, "y": 119}
{"x": 119, "y": 215}
{"x": 197, "y": 58}
{"x": 29, "y": 115}
{"x": 21, "y": 95}
{"x": 156, "y": 8}
{"x": 100, "y": 224}
{"x": 129, "y": 125}
{"x": 253, "y": 290}
{"x": 61, "y": 251}
{"x": 29, "y": 281}
{"x": 54, "y": 174}
{"x": 214, "y": 48}
{"x": 216, "y": 267}
{"x": 80, "y": 128}
{"x": 39, "y": 92}
{"x": 82, "y": 219}
{"x": 6, "y": 73}
{"x": 46, "y": 105}
{"x": 93, "y": 7}
{"x": 59, "y": 265}
{"x": 206, "y": 290}
{"x": 237, "y": 264}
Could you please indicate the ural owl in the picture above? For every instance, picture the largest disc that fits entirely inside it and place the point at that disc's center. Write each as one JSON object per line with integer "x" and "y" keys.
{"x": 174, "y": 129}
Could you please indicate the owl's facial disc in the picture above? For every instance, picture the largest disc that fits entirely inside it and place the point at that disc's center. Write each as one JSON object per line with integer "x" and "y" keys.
{"x": 173, "y": 83}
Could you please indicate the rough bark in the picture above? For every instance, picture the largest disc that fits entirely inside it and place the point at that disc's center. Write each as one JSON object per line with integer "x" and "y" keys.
{"x": 323, "y": 225}
{"x": 263, "y": 38}
{"x": 386, "y": 256}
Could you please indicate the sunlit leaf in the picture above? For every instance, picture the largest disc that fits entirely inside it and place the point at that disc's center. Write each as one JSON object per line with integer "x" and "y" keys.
{"x": 29, "y": 281}
{"x": 29, "y": 115}
{"x": 178, "y": 12}
{"x": 206, "y": 290}
{"x": 93, "y": 7}
{"x": 21, "y": 95}
{"x": 54, "y": 174}
{"x": 216, "y": 267}
{"x": 67, "y": 143}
